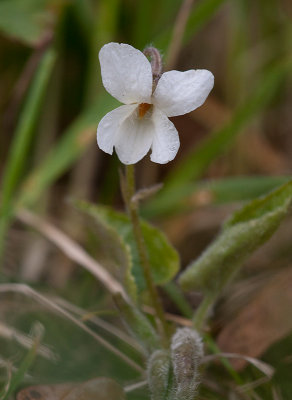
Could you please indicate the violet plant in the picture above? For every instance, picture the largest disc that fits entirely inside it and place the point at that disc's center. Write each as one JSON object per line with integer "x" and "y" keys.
{"x": 171, "y": 351}
{"x": 174, "y": 356}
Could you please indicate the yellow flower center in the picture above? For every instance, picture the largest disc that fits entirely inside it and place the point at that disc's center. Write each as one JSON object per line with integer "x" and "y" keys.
{"x": 143, "y": 108}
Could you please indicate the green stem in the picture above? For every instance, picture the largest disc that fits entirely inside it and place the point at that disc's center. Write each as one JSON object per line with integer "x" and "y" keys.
{"x": 132, "y": 207}
{"x": 202, "y": 312}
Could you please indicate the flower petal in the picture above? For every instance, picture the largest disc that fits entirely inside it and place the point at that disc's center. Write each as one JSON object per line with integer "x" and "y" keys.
{"x": 109, "y": 126}
{"x": 178, "y": 93}
{"x": 165, "y": 143}
{"x": 126, "y": 73}
{"x": 134, "y": 138}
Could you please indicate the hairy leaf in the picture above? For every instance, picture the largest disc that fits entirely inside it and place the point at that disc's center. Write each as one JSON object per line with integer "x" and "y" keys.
{"x": 242, "y": 234}
{"x": 118, "y": 257}
{"x": 163, "y": 257}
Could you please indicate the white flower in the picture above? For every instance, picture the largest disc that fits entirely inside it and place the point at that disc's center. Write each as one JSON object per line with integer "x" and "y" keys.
{"x": 142, "y": 123}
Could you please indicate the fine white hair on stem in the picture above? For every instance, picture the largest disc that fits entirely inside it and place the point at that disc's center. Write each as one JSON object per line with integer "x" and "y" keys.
{"x": 72, "y": 249}
{"x": 28, "y": 291}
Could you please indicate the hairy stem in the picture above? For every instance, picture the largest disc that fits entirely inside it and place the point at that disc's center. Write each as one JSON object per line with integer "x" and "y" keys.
{"x": 128, "y": 189}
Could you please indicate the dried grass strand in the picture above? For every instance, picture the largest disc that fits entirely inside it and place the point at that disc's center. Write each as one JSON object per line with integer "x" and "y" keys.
{"x": 178, "y": 32}
{"x": 265, "y": 368}
{"x": 72, "y": 249}
{"x": 112, "y": 329}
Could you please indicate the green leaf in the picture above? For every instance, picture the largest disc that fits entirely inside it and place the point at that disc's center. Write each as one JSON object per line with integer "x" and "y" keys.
{"x": 242, "y": 234}
{"x": 118, "y": 256}
{"x": 24, "y": 20}
{"x": 164, "y": 259}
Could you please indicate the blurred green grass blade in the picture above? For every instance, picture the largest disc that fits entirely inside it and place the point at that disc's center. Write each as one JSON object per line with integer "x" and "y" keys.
{"x": 202, "y": 13}
{"x": 103, "y": 26}
{"x": 176, "y": 295}
{"x": 238, "y": 57}
{"x": 161, "y": 14}
{"x": 145, "y": 10}
{"x": 26, "y": 363}
{"x": 217, "y": 191}
{"x": 240, "y": 188}
{"x": 25, "y": 127}
{"x": 108, "y": 13}
{"x": 22, "y": 138}
{"x": 25, "y": 20}
{"x": 71, "y": 146}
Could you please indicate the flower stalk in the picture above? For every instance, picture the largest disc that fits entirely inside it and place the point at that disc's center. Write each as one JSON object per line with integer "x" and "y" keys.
{"x": 128, "y": 191}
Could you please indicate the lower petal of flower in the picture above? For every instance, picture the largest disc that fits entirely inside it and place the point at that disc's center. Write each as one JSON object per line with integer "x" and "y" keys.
{"x": 134, "y": 138}
{"x": 165, "y": 143}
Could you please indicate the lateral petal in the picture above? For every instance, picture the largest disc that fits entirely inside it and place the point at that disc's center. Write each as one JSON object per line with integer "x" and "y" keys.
{"x": 134, "y": 138}
{"x": 109, "y": 127}
{"x": 178, "y": 93}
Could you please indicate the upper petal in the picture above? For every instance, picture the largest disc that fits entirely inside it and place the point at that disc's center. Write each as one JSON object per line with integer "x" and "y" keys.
{"x": 165, "y": 143}
{"x": 178, "y": 93}
{"x": 109, "y": 127}
{"x": 134, "y": 138}
{"x": 126, "y": 73}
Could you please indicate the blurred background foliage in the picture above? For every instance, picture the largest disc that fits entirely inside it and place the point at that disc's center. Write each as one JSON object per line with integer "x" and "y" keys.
{"x": 237, "y": 146}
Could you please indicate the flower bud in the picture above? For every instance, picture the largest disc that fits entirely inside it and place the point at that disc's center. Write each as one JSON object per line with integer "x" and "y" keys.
{"x": 186, "y": 355}
{"x": 158, "y": 374}
{"x": 156, "y": 62}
